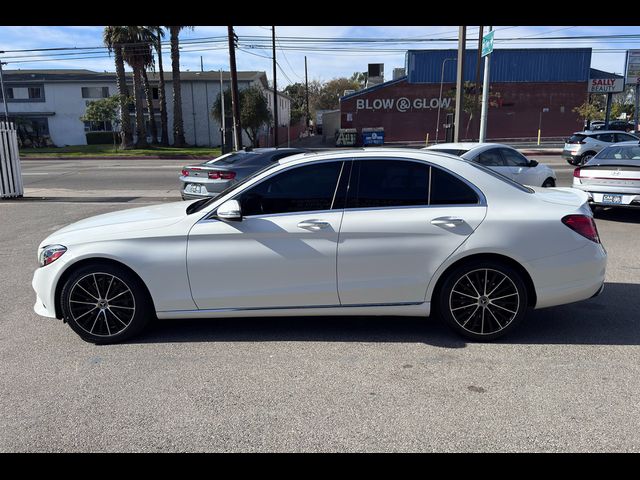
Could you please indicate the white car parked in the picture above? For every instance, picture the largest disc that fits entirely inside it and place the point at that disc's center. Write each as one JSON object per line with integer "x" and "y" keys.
{"x": 359, "y": 232}
{"x": 503, "y": 159}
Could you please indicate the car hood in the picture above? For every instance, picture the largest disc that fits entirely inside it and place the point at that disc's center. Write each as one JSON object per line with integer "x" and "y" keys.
{"x": 562, "y": 196}
{"x": 119, "y": 224}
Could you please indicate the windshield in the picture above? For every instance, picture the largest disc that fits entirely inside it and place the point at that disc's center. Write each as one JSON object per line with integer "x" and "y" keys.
{"x": 499, "y": 176}
{"x": 453, "y": 151}
{"x": 619, "y": 152}
{"x": 201, "y": 204}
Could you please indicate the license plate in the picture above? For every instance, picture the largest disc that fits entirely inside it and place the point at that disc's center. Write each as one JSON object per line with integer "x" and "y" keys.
{"x": 193, "y": 188}
{"x": 606, "y": 198}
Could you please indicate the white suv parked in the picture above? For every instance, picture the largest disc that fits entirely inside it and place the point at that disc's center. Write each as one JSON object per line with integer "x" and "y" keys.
{"x": 583, "y": 146}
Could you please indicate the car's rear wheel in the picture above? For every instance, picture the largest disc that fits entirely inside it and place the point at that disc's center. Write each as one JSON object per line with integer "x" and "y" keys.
{"x": 585, "y": 158}
{"x": 104, "y": 303}
{"x": 549, "y": 182}
{"x": 483, "y": 300}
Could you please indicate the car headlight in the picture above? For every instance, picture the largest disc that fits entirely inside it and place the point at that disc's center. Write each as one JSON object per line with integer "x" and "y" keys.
{"x": 50, "y": 254}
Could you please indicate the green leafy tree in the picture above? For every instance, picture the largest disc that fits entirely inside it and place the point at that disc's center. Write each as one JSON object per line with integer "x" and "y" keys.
{"x": 469, "y": 104}
{"x": 591, "y": 110}
{"x": 360, "y": 78}
{"x": 254, "y": 110}
{"x": 331, "y": 91}
{"x": 106, "y": 110}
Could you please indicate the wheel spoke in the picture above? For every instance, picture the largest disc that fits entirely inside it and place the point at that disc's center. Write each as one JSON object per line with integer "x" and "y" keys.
{"x": 482, "y": 326}
{"x": 471, "y": 316}
{"x": 117, "y": 317}
{"x": 460, "y": 293}
{"x": 504, "y": 296}
{"x": 85, "y": 313}
{"x": 118, "y": 306}
{"x": 474, "y": 287}
{"x": 494, "y": 317}
{"x": 106, "y": 322}
{"x": 94, "y": 323}
{"x": 106, "y": 295}
{"x": 95, "y": 282}
{"x": 496, "y": 287}
{"x": 466, "y": 306}
{"x": 118, "y": 295}
{"x": 88, "y": 293}
{"x": 85, "y": 303}
{"x": 496, "y": 305}
{"x": 486, "y": 272}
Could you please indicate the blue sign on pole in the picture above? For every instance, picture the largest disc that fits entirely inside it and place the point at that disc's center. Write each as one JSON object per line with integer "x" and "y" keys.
{"x": 487, "y": 43}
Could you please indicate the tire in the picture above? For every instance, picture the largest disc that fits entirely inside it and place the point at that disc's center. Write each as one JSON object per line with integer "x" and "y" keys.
{"x": 585, "y": 158}
{"x": 549, "y": 182}
{"x": 595, "y": 210}
{"x": 491, "y": 319}
{"x": 105, "y": 304}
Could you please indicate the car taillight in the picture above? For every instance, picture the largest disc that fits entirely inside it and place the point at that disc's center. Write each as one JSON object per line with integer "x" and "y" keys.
{"x": 216, "y": 175}
{"x": 185, "y": 173}
{"x": 584, "y": 225}
{"x": 576, "y": 172}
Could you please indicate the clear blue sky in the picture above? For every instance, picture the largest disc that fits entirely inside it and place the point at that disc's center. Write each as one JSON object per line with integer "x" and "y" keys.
{"x": 607, "y": 55}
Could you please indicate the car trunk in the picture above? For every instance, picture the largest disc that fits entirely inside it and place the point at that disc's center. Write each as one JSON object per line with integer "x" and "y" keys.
{"x": 614, "y": 175}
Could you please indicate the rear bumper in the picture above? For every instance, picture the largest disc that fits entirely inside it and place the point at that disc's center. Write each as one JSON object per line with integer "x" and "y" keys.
{"x": 569, "y": 155}
{"x": 569, "y": 277}
{"x": 630, "y": 196}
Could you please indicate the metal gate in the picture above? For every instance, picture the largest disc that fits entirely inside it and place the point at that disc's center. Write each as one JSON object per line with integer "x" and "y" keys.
{"x": 10, "y": 171}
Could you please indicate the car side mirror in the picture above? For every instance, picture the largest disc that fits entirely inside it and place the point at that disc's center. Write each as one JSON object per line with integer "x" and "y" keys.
{"x": 533, "y": 163}
{"x": 230, "y": 210}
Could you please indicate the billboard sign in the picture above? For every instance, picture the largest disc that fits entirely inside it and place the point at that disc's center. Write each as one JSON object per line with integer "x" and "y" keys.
{"x": 606, "y": 85}
{"x": 633, "y": 67}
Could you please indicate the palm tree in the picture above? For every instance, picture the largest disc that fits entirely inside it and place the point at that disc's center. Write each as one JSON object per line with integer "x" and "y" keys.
{"x": 178, "y": 127}
{"x": 149, "y": 95}
{"x": 162, "y": 97}
{"x": 113, "y": 38}
{"x": 138, "y": 55}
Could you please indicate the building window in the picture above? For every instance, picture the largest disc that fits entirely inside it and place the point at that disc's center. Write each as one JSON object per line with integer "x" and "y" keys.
{"x": 35, "y": 92}
{"x": 154, "y": 93}
{"x": 92, "y": 126}
{"x": 95, "y": 92}
{"x": 35, "y": 126}
{"x": 9, "y": 94}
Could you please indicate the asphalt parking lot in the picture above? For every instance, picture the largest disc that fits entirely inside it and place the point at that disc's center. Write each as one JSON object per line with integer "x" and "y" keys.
{"x": 568, "y": 380}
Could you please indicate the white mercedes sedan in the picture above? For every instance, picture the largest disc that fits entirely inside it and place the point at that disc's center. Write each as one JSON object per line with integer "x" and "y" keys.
{"x": 360, "y": 232}
{"x": 503, "y": 159}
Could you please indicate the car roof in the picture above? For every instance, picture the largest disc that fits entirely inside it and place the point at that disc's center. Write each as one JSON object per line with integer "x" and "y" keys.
{"x": 464, "y": 145}
{"x": 598, "y": 132}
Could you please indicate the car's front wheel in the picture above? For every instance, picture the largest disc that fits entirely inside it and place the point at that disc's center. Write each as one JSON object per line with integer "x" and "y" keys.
{"x": 104, "y": 303}
{"x": 483, "y": 300}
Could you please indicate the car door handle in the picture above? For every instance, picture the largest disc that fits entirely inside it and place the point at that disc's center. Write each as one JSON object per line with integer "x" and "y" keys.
{"x": 447, "y": 221}
{"x": 313, "y": 225}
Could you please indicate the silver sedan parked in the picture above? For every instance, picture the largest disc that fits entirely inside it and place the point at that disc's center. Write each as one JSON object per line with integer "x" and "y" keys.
{"x": 612, "y": 177}
{"x": 209, "y": 178}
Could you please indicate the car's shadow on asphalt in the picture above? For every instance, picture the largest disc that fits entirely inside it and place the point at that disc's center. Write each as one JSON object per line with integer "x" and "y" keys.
{"x": 623, "y": 215}
{"x": 613, "y": 318}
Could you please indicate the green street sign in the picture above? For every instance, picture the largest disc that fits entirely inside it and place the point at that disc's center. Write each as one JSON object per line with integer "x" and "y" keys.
{"x": 487, "y": 43}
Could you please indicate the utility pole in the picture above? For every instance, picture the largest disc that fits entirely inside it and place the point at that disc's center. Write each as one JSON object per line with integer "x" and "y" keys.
{"x": 4, "y": 93}
{"x": 485, "y": 97}
{"x": 223, "y": 129}
{"x": 201, "y": 64}
{"x": 477, "y": 85}
{"x": 275, "y": 90}
{"x": 462, "y": 38}
{"x": 306, "y": 85}
{"x": 235, "y": 100}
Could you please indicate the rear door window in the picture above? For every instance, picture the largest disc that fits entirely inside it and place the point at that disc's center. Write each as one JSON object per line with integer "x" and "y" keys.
{"x": 605, "y": 137}
{"x": 388, "y": 183}
{"x": 513, "y": 158}
{"x": 490, "y": 158}
{"x": 577, "y": 138}
{"x": 447, "y": 189}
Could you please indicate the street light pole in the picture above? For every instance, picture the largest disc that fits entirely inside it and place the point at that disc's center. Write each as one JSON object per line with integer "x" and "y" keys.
{"x": 440, "y": 98}
{"x": 4, "y": 94}
{"x": 462, "y": 40}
